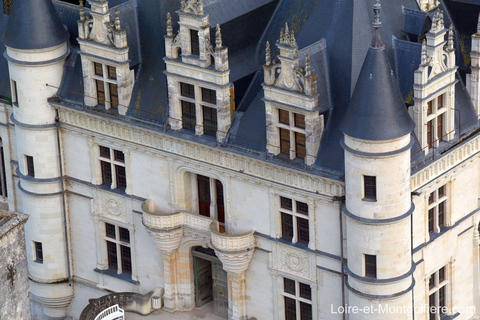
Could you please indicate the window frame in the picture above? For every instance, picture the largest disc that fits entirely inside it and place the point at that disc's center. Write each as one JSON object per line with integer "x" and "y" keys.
{"x": 435, "y": 120}
{"x": 297, "y": 298}
{"x": 297, "y": 150}
{"x": 295, "y": 215}
{"x": 118, "y": 180}
{"x": 370, "y": 264}
{"x": 194, "y": 42}
{"x": 437, "y": 201}
{"x": 118, "y": 244}
{"x": 369, "y": 188}
{"x": 214, "y": 195}
{"x": 109, "y": 84}
{"x": 38, "y": 251}
{"x": 30, "y": 166}
{"x": 435, "y": 289}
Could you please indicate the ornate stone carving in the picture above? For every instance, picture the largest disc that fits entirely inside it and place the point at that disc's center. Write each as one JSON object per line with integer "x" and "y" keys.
{"x": 292, "y": 261}
{"x": 111, "y": 205}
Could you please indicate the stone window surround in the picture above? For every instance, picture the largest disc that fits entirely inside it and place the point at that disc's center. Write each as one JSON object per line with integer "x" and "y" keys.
{"x": 118, "y": 243}
{"x": 36, "y": 248}
{"x": 434, "y": 116}
{"x": 311, "y": 211}
{"x": 291, "y": 128}
{"x": 114, "y": 163}
{"x": 297, "y": 297}
{"x": 106, "y": 81}
{"x": 279, "y": 303}
{"x": 435, "y": 206}
{"x": 199, "y": 103}
{"x": 437, "y": 285}
{"x": 102, "y": 256}
{"x": 14, "y": 87}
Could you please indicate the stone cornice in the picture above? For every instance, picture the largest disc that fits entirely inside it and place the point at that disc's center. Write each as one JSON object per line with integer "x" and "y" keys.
{"x": 446, "y": 162}
{"x": 84, "y": 121}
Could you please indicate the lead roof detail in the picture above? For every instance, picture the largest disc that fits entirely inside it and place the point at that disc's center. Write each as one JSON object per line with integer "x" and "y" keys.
{"x": 34, "y": 24}
{"x": 377, "y": 110}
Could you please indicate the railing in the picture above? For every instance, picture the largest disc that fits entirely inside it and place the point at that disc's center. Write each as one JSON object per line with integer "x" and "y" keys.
{"x": 227, "y": 242}
{"x": 112, "y": 313}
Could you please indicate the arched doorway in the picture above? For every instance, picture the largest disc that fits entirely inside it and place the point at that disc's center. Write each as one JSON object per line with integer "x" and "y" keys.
{"x": 210, "y": 281}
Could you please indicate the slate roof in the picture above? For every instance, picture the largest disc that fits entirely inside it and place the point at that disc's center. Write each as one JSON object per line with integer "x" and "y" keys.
{"x": 34, "y": 24}
{"x": 377, "y": 110}
{"x": 337, "y": 34}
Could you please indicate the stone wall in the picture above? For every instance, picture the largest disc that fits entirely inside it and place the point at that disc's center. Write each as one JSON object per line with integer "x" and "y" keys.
{"x": 14, "y": 301}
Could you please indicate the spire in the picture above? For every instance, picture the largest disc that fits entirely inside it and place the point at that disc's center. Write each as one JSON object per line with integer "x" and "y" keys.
{"x": 478, "y": 25}
{"x": 451, "y": 40}
{"x": 424, "y": 52}
{"x": 34, "y": 24}
{"x": 169, "y": 25}
{"x": 377, "y": 40}
{"x": 117, "y": 19}
{"x": 268, "y": 55}
{"x": 218, "y": 37}
{"x": 200, "y": 8}
{"x": 377, "y": 110}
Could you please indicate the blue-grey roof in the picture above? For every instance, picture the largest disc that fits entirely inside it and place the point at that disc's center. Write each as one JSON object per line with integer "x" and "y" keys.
{"x": 377, "y": 110}
{"x": 407, "y": 60}
{"x": 415, "y": 22}
{"x": 34, "y": 24}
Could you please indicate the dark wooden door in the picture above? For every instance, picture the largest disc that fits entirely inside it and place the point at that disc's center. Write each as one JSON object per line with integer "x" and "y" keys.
{"x": 204, "y": 198}
{"x": 203, "y": 281}
{"x": 220, "y": 290}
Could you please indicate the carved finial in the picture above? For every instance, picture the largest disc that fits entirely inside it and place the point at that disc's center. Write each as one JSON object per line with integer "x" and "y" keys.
{"x": 281, "y": 36}
{"x": 308, "y": 66}
{"x": 169, "y": 25}
{"x": 376, "y": 14}
{"x": 424, "y": 52}
{"x": 450, "y": 37}
{"x": 268, "y": 55}
{"x": 82, "y": 11}
{"x": 478, "y": 24}
{"x": 200, "y": 7}
{"x": 183, "y": 4}
{"x": 218, "y": 37}
{"x": 293, "y": 41}
{"x": 117, "y": 19}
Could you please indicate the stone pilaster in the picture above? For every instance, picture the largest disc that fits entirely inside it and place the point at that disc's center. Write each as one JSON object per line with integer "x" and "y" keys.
{"x": 237, "y": 298}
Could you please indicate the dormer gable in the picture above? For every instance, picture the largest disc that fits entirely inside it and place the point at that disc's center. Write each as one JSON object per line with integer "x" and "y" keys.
{"x": 293, "y": 123}
{"x": 108, "y": 80}
{"x": 434, "y": 87}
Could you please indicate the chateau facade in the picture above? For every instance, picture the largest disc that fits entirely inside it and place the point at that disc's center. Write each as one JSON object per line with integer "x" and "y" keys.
{"x": 278, "y": 159}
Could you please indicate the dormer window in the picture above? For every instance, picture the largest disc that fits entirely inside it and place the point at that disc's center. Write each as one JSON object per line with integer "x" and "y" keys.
{"x": 105, "y": 77}
{"x": 435, "y": 120}
{"x": 291, "y": 128}
{"x": 195, "y": 42}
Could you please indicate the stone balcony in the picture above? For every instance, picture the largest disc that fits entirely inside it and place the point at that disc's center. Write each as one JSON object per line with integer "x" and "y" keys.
{"x": 169, "y": 229}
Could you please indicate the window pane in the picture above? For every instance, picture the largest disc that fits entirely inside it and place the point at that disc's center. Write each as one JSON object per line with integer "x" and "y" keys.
{"x": 302, "y": 207}
{"x": 100, "y": 92}
{"x": 112, "y": 255}
{"x": 209, "y": 121}
{"x": 431, "y": 224}
{"x": 305, "y": 291}
{"x": 370, "y": 186}
{"x": 290, "y": 309}
{"x": 429, "y": 107}
{"x": 195, "y": 44}
{"x": 121, "y": 177}
{"x": 441, "y": 275}
{"x": 105, "y": 152}
{"x": 431, "y": 198}
{"x": 30, "y": 166}
{"x": 441, "y": 300}
{"x": 431, "y": 281}
{"x": 112, "y": 72}
{"x": 4, "y": 176}
{"x": 209, "y": 95}
{"x": 124, "y": 235}
{"x": 302, "y": 230}
{"x": 113, "y": 95}
{"x": 299, "y": 121}
{"x": 284, "y": 141}
{"x": 189, "y": 119}
{"x": 106, "y": 173}
{"x": 98, "y": 69}
{"x": 283, "y": 117}
{"x": 300, "y": 149}
{"x": 441, "y": 214}
{"x": 126, "y": 260}
{"x": 187, "y": 90}
{"x": 371, "y": 265}
{"x": 119, "y": 156}
{"x": 110, "y": 230}
{"x": 440, "y": 127}
{"x": 289, "y": 286}
{"x": 287, "y": 226}
{"x": 38, "y": 252}
{"x": 431, "y": 306}
{"x": 286, "y": 203}
{"x": 305, "y": 311}
{"x": 441, "y": 192}
{"x": 440, "y": 102}
{"x": 430, "y": 132}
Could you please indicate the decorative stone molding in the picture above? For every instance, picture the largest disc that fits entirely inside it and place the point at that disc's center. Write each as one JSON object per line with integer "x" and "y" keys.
{"x": 235, "y": 251}
{"x": 112, "y": 206}
{"x": 293, "y": 261}
{"x": 83, "y": 122}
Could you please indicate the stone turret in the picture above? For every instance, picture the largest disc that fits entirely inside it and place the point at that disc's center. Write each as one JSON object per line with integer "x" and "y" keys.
{"x": 36, "y": 60}
{"x": 377, "y": 141}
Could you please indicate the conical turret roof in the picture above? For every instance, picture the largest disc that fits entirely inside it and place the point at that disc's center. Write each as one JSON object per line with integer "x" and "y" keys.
{"x": 34, "y": 24}
{"x": 377, "y": 110}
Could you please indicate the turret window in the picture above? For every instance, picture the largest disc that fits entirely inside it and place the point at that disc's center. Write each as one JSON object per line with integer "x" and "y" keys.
{"x": 15, "y": 92}
{"x": 38, "y": 252}
{"x": 370, "y": 187}
{"x": 105, "y": 78}
{"x": 371, "y": 265}
{"x": 291, "y": 128}
{"x": 30, "y": 166}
